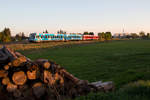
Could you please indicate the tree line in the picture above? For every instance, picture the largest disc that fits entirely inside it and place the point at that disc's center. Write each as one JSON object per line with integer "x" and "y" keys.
{"x": 5, "y": 36}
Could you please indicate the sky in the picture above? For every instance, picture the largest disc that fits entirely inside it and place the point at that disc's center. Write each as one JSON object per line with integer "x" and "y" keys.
{"x": 75, "y": 15}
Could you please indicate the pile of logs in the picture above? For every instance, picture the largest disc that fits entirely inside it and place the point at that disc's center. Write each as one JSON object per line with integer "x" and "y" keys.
{"x": 42, "y": 79}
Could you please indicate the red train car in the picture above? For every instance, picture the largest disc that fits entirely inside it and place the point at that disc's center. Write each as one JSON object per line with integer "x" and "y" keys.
{"x": 90, "y": 37}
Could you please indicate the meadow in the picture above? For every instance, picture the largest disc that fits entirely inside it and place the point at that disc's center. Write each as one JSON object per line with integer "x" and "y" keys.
{"x": 126, "y": 63}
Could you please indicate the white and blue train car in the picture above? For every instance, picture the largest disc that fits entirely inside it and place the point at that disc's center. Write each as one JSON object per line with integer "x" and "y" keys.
{"x": 41, "y": 37}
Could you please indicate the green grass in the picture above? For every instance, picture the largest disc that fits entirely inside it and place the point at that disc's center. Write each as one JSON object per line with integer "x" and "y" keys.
{"x": 119, "y": 61}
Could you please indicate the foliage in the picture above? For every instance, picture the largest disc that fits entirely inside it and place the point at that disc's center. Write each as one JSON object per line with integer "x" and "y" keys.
{"x": 86, "y": 33}
{"x": 133, "y": 91}
{"x": 134, "y": 35}
{"x": 105, "y": 36}
{"x": 20, "y": 36}
{"x": 91, "y": 33}
{"x": 142, "y": 34}
{"x": 5, "y": 35}
{"x": 148, "y": 35}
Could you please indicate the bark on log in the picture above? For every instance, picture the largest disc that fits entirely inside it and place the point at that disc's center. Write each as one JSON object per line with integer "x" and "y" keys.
{"x": 66, "y": 74}
{"x": 10, "y": 52}
{"x": 43, "y": 62}
{"x": 17, "y": 62}
{"x": 19, "y": 78}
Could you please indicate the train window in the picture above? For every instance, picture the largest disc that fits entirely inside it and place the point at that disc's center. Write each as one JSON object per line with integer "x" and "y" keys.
{"x": 37, "y": 36}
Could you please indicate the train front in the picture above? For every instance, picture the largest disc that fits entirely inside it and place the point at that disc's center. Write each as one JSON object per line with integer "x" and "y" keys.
{"x": 32, "y": 37}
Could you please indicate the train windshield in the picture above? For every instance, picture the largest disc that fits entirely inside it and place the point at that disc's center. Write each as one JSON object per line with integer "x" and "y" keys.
{"x": 32, "y": 35}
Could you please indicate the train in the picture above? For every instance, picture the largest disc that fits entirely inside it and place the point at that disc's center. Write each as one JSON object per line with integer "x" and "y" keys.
{"x": 42, "y": 37}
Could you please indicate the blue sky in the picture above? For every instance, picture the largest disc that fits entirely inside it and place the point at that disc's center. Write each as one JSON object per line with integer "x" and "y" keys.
{"x": 75, "y": 15}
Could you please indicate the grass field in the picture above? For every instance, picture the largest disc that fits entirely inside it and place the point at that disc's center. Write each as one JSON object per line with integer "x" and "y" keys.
{"x": 122, "y": 62}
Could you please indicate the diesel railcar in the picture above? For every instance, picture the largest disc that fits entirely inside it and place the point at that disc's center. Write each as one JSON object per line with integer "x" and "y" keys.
{"x": 41, "y": 37}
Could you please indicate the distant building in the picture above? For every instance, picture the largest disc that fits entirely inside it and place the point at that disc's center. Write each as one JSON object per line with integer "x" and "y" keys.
{"x": 120, "y": 35}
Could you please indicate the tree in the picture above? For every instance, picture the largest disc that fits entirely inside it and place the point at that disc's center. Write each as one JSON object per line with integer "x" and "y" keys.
{"x": 108, "y": 35}
{"x": 6, "y": 35}
{"x": 101, "y": 36}
{"x": 86, "y": 33}
{"x": 91, "y": 33}
{"x": 142, "y": 34}
{"x": 148, "y": 35}
{"x": 134, "y": 35}
{"x": 20, "y": 36}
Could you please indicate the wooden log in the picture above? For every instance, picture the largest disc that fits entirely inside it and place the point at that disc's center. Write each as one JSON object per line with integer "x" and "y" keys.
{"x": 33, "y": 72}
{"x": 5, "y": 81}
{"x": 9, "y": 64}
{"x": 11, "y": 87}
{"x": 43, "y": 62}
{"x": 3, "y": 73}
{"x": 17, "y": 62}
{"x": 6, "y": 67}
{"x": 3, "y": 57}
{"x": 61, "y": 80}
{"x": 19, "y": 78}
{"x": 17, "y": 93}
{"x": 66, "y": 74}
{"x": 22, "y": 59}
{"x": 103, "y": 86}
{"x": 108, "y": 86}
{"x": 38, "y": 89}
{"x": 20, "y": 55}
{"x": 48, "y": 78}
{"x": 10, "y": 52}
{"x": 31, "y": 75}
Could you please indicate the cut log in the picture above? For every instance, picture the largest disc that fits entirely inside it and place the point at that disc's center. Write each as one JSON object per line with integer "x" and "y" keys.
{"x": 6, "y": 67}
{"x": 31, "y": 75}
{"x": 9, "y": 64}
{"x": 11, "y": 87}
{"x": 48, "y": 78}
{"x": 19, "y": 78}
{"x": 33, "y": 72}
{"x": 38, "y": 89}
{"x": 3, "y": 73}
{"x": 5, "y": 81}
{"x": 22, "y": 59}
{"x": 43, "y": 62}
{"x": 17, "y": 62}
